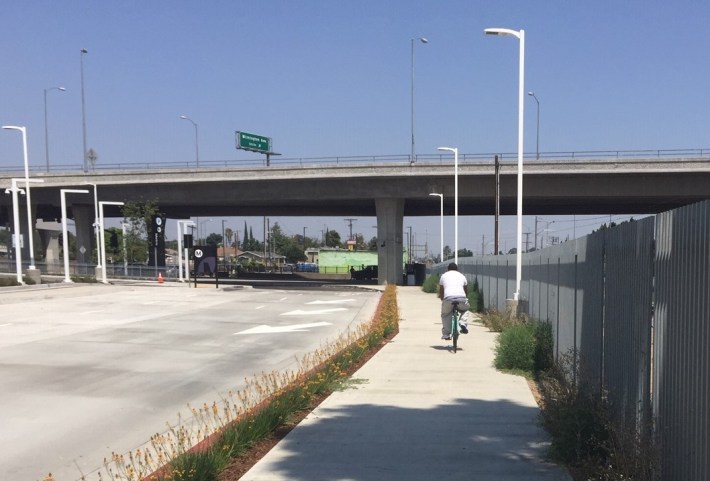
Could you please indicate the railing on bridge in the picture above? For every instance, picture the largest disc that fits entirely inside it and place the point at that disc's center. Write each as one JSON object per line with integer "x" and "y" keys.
{"x": 375, "y": 160}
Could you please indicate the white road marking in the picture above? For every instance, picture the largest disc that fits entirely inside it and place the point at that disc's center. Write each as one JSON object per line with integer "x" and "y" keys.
{"x": 336, "y": 301}
{"x": 264, "y": 329}
{"x": 259, "y": 307}
{"x": 299, "y": 312}
{"x": 283, "y": 298}
{"x": 6, "y": 324}
{"x": 91, "y": 312}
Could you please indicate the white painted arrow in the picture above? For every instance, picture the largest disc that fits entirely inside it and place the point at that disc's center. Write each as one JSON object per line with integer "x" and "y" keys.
{"x": 336, "y": 301}
{"x": 264, "y": 329}
{"x": 312, "y": 313}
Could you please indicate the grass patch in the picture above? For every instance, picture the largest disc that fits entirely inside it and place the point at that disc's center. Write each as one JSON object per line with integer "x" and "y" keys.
{"x": 216, "y": 434}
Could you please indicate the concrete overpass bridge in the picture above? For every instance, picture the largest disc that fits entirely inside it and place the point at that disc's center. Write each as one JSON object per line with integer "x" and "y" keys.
{"x": 386, "y": 187}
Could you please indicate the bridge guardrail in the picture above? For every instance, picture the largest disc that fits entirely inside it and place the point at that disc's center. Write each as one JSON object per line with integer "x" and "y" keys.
{"x": 374, "y": 160}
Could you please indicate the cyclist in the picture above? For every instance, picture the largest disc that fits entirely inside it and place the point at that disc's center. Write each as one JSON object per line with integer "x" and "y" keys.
{"x": 453, "y": 286}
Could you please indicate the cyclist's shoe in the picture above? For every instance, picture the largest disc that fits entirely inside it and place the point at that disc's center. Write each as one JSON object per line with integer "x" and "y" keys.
{"x": 463, "y": 329}
{"x": 446, "y": 338}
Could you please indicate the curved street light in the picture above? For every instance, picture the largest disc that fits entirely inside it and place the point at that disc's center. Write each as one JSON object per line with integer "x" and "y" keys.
{"x": 456, "y": 200}
{"x": 537, "y": 143}
{"x": 412, "y": 159}
{"x": 85, "y": 154}
{"x": 30, "y": 226}
{"x": 46, "y": 129}
{"x": 197, "y": 148}
{"x": 441, "y": 223}
{"x": 520, "y": 35}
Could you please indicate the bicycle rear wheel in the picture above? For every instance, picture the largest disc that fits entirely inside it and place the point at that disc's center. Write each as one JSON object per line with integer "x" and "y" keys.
{"x": 455, "y": 329}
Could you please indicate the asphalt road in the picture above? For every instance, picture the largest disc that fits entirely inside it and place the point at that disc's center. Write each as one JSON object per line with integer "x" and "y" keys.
{"x": 87, "y": 370}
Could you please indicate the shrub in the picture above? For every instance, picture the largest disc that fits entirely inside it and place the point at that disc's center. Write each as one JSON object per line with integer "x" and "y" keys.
{"x": 497, "y": 321}
{"x": 8, "y": 281}
{"x": 544, "y": 346}
{"x": 431, "y": 284}
{"x": 515, "y": 348}
{"x": 575, "y": 412}
{"x": 475, "y": 297}
{"x": 573, "y": 415}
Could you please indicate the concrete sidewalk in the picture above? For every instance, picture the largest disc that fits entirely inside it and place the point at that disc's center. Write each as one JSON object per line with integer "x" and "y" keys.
{"x": 417, "y": 411}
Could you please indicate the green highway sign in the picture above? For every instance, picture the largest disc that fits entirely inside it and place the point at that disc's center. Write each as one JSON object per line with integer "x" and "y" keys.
{"x": 253, "y": 142}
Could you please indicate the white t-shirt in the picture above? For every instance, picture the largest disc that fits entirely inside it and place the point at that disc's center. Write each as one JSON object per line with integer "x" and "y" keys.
{"x": 453, "y": 282}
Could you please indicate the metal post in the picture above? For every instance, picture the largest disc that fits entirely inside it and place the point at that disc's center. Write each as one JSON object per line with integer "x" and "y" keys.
{"x": 65, "y": 235}
{"x": 102, "y": 236}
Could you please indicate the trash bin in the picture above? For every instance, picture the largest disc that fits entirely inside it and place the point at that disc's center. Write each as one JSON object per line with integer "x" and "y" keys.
{"x": 419, "y": 274}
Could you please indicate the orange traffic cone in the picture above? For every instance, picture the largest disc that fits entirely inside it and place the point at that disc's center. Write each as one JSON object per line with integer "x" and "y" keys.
{"x": 160, "y": 277}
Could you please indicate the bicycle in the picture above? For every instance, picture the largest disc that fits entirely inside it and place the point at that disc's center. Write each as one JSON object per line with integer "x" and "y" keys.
{"x": 455, "y": 324}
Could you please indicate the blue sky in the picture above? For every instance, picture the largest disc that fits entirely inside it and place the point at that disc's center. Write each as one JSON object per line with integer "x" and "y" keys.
{"x": 332, "y": 78}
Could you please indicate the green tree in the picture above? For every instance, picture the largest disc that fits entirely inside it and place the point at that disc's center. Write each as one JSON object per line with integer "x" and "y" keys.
{"x": 332, "y": 239}
{"x": 138, "y": 216}
{"x": 213, "y": 239}
{"x": 372, "y": 244}
{"x": 465, "y": 253}
{"x": 448, "y": 253}
{"x": 293, "y": 254}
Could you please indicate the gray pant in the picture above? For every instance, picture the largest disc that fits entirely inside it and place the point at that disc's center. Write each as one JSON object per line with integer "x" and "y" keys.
{"x": 447, "y": 308}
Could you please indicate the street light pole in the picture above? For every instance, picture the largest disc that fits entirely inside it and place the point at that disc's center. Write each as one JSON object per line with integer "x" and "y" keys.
{"x": 16, "y": 226}
{"x": 30, "y": 227}
{"x": 441, "y": 223}
{"x": 103, "y": 240}
{"x": 96, "y": 223}
{"x": 181, "y": 226}
{"x": 412, "y": 158}
{"x": 537, "y": 143}
{"x": 65, "y": 235}
{"x": 83, "y": 108}
{"x": 456, "y": 200}
{"x": 197, "y": 145}
{"x": 46, "y": 129}
{"x": 520, "y": 35}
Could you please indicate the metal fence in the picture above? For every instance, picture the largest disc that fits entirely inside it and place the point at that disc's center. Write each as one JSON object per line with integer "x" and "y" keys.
{"x": 632, "y": 304}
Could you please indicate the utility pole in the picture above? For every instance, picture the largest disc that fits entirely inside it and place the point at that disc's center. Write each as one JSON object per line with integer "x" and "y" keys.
{"x": 527, "y": 241}
{"x": 483, "y": 244}
{"x": 535, "y": 232}
{"x": 350, "y": 224}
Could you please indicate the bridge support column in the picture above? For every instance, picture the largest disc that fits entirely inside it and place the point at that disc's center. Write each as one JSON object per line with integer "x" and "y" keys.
{"x": 85, "y": 236}
{"x": 390, "y": 218}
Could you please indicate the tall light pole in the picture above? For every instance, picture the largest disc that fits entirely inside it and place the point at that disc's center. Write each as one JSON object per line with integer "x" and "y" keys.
{"x": 456, "y": 200}
{"x": 14, "y": 190}
{"x": 65, "y": 235}
{"x": 224, "y": 244}
{"x": 537, "y": 143}
{"x": 83, "y": 109}
{"x": 197, "y": 145}
{"x": 103, "y": 239}
{"x": 181, "y": 231}
{"x": 46, "y": 129}
{"x": 441, "y": 223}
{"x": 30, "y": 227}
{"x": 520, "y": 35}
{"x": 412, "y": 159}
{"x": 96, "y": 223}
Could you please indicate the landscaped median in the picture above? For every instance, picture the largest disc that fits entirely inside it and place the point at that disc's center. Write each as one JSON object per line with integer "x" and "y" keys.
{"x": 217, "y": 435}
